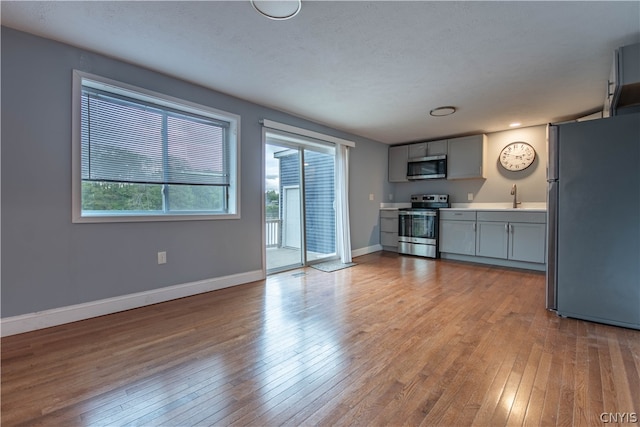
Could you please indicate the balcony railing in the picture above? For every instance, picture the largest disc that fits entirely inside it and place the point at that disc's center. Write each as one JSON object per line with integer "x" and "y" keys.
{"x": 273, "y": 233}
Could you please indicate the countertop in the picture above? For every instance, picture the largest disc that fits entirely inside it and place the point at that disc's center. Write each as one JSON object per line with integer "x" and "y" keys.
{"x": 393, "y": 206}
{"x": 500, "y": 206}
{"x": 524, "y": 206}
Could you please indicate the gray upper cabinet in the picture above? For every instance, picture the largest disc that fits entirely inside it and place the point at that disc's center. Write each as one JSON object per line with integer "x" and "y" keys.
{"x": 430, "y": 148}
{"x": 398, "y": 156}
{"x": 624, "y": 80}
{"x": 437, "y": 148}
{"x": 465, "y": 157}
{"x": 418, "y": 150}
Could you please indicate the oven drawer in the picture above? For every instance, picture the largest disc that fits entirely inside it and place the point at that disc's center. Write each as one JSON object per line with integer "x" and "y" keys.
{"x": 428, "y": 251}
{"x": 416, "y": 240}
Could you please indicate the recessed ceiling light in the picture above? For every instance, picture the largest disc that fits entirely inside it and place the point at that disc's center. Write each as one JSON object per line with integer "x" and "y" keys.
{"x": 442, "y": 111}
{"x": 277, "y": 9}
{"x": 514, "y": 124}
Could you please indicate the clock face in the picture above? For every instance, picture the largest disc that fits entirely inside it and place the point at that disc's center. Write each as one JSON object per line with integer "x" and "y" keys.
{"x": 517, "y": 156}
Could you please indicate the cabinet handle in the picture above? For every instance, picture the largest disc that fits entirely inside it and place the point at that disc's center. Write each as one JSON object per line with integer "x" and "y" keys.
{"x": 506, "y": 227}
{"x": 609, "y": 92}
{"x": 474, "y": 226}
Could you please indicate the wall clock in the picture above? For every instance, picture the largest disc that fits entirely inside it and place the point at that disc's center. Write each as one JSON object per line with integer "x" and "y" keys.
{"x": 517, "y": 156}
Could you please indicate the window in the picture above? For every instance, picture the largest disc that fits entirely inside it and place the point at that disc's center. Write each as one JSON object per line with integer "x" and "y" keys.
{"x": 142, "y": 156}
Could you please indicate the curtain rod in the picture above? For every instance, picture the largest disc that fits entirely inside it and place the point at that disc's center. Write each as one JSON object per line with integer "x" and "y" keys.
{"x": 305, "y": 132}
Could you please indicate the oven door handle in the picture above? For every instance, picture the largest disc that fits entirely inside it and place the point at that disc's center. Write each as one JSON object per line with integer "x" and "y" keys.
{"x": 425, "y": 213}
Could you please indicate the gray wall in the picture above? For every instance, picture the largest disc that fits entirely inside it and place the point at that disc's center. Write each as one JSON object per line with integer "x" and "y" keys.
{"x": 496, "y": 187}
{"x": 367, "y": 176}
{"x": 48, "y": 262}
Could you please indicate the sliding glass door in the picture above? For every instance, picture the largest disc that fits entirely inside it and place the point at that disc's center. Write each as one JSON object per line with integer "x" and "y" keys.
{"x": 320, "y": 212}
{"x": 300, "y": 201}
{"x": 284, "y": 226}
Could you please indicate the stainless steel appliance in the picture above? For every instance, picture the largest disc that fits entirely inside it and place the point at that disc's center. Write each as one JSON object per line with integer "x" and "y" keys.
{"x": 418, "y": 225}
{"x": 593, "y": 265}
{"x": 431, "y": 167}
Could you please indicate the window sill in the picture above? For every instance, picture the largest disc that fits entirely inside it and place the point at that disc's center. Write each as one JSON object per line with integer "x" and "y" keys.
{"x": 92, "y": 219}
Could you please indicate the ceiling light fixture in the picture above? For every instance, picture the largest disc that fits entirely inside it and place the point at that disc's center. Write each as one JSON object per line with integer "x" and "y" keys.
{"x": 514, "y": 124}
{"x": 277, "y": 9}
{"x": 442, "y": 111}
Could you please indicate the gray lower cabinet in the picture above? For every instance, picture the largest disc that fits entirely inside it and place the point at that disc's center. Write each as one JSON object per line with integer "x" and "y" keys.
{"x": 492, "y": 240}
{"x": 527, "y": 242}
{"x": 516, "y": 238}
{"x": 458, "y": 232}
{"x": 389, "y": 229}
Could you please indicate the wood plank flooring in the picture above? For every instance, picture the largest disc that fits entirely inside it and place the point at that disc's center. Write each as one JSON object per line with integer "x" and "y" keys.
{"x": 395, "y": 340}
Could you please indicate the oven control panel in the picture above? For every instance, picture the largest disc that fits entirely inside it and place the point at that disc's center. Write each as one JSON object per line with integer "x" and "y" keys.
{"x": 439, "y": 198}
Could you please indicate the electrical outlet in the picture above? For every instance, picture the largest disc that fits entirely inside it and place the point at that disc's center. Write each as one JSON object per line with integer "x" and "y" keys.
{"x": 371, "y": 196}
{"x": 162, "y": 257}
{"x": 469, "y": 196}
{"x": 390, "y": 196}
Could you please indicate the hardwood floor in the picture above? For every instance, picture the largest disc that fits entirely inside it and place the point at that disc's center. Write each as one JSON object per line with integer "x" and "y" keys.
{"x": 392, "y": 341}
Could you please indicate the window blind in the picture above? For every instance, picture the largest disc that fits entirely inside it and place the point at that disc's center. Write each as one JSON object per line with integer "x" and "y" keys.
{"x": 133, "y": 141}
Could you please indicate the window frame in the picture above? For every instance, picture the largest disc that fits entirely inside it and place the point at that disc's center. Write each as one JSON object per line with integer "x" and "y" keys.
{"x": 81, "y": 78}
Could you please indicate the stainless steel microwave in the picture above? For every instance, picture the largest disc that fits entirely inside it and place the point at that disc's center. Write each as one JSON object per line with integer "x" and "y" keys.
{"x": 431, "y": 167}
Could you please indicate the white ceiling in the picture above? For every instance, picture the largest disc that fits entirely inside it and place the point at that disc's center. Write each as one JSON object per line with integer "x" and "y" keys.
{"x": 371, "y": 68}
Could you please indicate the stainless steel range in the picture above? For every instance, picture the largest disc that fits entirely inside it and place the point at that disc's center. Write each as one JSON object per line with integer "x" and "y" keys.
{"x": 418, "y": 225}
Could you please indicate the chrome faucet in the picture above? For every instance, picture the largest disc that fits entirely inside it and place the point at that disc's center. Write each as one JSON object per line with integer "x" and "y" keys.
{"x": 514, "y": 193}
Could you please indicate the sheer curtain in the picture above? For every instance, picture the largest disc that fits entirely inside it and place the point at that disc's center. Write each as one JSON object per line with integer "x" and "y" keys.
{"x": 343, "y": 228}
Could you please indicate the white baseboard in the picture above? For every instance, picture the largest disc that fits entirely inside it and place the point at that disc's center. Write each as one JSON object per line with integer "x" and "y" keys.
{"x": 58, "y": 316}
{"x": 73, "y": 313}
{"x": 365, "y": 250}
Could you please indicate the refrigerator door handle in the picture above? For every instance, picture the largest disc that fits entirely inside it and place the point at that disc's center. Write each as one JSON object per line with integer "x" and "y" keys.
{"x": 552, "y": 153}
{"x": 552, "y": 246}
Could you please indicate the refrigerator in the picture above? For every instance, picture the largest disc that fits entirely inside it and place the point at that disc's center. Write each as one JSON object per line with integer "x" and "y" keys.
{"x": 593, "y": 208}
